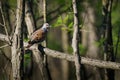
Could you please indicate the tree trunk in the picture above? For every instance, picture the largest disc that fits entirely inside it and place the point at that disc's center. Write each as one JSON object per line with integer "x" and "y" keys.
{"x": 107, "y": 34}
{"x": 75, "y": 41}
{"x": 17, "y": 45}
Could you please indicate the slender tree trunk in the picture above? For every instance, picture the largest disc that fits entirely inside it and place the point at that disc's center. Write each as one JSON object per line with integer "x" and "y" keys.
{"x": 75, "y": 41}
{"x": 17, "y": 46}
{"x": 108, "y": 44}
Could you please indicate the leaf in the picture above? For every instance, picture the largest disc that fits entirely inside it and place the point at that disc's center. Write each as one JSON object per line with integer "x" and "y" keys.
{"x": 26, "y": 39}
{"x": 59, "y": 20}
{"x": 64, "y": 28}
{"x": 65, "y": 19}
{"x": 70, "y": 25}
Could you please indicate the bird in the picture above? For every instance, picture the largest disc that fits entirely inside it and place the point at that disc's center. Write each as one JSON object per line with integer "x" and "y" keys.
{"x": 39, "y": 35}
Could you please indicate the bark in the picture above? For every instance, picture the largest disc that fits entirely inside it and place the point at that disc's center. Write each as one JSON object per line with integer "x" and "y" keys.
{"x": 75, "y": 41}
{"x": 17, "y": 45}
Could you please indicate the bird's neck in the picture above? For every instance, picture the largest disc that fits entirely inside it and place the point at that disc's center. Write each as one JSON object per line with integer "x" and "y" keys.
{"x": 44, "y": 29}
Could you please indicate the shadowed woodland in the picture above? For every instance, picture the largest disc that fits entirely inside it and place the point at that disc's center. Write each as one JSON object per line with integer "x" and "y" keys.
{"x": 83, "y": 42}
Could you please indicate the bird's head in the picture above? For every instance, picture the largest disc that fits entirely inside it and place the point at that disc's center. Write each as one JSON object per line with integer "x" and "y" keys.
{"x": 46, "y": 26}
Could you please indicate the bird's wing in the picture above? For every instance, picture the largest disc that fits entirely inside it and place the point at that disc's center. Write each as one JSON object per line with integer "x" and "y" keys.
{"x": 37, "y": 36}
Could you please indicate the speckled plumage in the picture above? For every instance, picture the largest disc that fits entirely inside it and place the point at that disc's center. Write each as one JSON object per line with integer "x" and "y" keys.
{"x": 39, "y": 35}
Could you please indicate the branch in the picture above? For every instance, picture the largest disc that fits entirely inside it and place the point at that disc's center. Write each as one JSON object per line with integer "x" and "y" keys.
{"x": 4, "y": 23}
{"x": 4, "y": 38}
{"x": 87, "y": 61}
{"x": 68, "y": 57}
{"x": 4, "y": 46}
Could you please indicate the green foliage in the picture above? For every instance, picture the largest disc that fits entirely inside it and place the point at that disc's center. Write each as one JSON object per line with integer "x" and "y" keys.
{"x": 66, "y": 23}
{"x": 54, "y": 44}
{"x": 26, "y": 39}
{"x": 70, "y": 49}
{"x": 27, "y": 58}
{"x": 12, "y": 3}
{"x": 59, "y": 21}
{"x": 100, "y": 42}
{"x": 82, "y": 49}
{"x": 60, "y": 1}
{"x": 64, "y": 2}
{"x": 116, "y": 26}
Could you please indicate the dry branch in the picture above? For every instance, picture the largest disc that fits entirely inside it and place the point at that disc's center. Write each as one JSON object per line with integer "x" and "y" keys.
{"x": 4, "y": 46}
{"x": 4, "y": 38}
{"x": 4, "y": 23}
{"x": 68, "y": 57}
{"x": 87, "y": 61}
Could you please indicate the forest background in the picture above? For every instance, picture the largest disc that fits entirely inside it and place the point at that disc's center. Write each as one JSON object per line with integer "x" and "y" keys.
{"x": 99, "y": 34}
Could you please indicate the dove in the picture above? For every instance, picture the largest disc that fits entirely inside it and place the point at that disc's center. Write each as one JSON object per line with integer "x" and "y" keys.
{"x": 39, "y": 35}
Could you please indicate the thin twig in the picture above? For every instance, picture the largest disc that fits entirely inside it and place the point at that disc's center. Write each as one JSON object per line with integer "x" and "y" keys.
{"x": 3, "y": 20}
{"x": 4, "y": 46}
{"x": 2, "y": 24}
{"x": 5, "y": 27}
